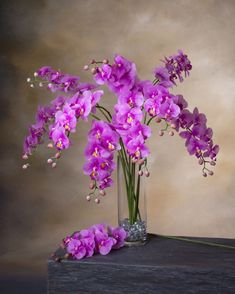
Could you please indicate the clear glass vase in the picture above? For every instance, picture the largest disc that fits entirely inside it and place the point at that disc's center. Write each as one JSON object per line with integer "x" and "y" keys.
{"x": 132, "y": 215}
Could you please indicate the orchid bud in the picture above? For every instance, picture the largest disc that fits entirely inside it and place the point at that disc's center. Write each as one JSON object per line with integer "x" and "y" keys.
{"x": 147, "y": 173}
{"x": 25, "y": 166}
{"x": 213, "y": 163}
{"x": 92, "y": 61}
{"x": 91, "y": 186}
{"x": 53, "y": 165}
{"x": 141, "y": 161}
{"x": 35, "y": 74}
{"x": 97, "y": 200}
{"x": 25, "y": 156}
{"x": 102, "y": 192}
{"x": 49, "y": 161}
{"x": 88, "y": 198}
{"x": 140, "y": 173}
{"x": 28, "y": 80}
{"x": 50, "y": 145}
{"x": 31, "y": 85}
{"x": 49, "y": 85}
{"x": 40, "y": 84}
{"x": 105, "y": 61}
{"x": 171, "y": 133}
{"x": 58, "y": 154}
{"x": 210, "y": 172}
{"x": 66, "y": 256}
{"x": 204, "y": 174}
{"x": 161, "y": 133}
{"x": 86, "y": 67}
{"x": 200, "y": 161}
{"x": 158, "y": 120}
{"x": 93, "y": 70}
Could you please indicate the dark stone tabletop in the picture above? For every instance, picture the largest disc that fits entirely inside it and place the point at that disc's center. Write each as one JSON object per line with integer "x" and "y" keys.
{"x": 161, "y": 266}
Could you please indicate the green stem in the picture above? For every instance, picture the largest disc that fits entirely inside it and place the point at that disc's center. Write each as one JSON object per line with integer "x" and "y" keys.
{"x": 149, "y": 121}
{"x": 103, "y": 108}
{"x": 198, "y": 242}
{"x": 94, "y": 116}
{"x": 104, "y": 114}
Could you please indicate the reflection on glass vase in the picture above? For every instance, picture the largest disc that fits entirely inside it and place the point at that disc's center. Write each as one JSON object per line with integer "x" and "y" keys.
{"x": 132, "y": 214}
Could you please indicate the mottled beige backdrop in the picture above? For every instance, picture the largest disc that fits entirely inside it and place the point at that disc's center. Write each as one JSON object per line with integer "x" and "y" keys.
{"x": 40, "y": 206}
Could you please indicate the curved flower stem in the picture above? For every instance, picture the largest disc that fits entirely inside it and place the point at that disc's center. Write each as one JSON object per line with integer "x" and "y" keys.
{"x": 94, "y": 116}
{"x": 103, "y": 108}
{"x": 151, "y": 118}
{"x": 104, "y": 114}
{"x": 198, "y": 242}
{"x": 155, "y": 81}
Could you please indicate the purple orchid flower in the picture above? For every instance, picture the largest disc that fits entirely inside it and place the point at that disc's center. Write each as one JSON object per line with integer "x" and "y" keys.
{"x": 169, "y": 109}
{"x": 119, "y": 234}
{"x": 66, "y": 118}
{"x": 127, "y": 116}
{"x": 104, "y": 243}
{"x": 105, "y": 183}
{"x": 103, "y": 74}
{"x": 59, "y": 137}
{"x": 76, "y": 248}
{"x": 132, "y": 97}
{"x": 162, "y": 75}
{"x": 81, "y": 104}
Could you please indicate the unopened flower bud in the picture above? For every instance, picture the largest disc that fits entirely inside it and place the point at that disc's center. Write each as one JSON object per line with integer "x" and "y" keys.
{"x": 105, "y": 61}
{"x": 92, "y": 61}
{"x": 158, "y": 120}
{"x": 28, "y": 80}
{"x": 213, "y": 163}
{"x": 102, "y": 192}
{"x": 171, "y": 133}
{"x": 66, "y": 256}
{"x": 25, "y": 166}
{"x": 58, "y": 154}
{"x": 50, "y": 145}
{"x": 210, "y": 172}
{"x": 97, "y": 200}
{"x": 147, "y": 173}
{"x": 53, "y": 165}
{"x": 49, "y": 161}
{"x": 86, "y": 67}
{"x": 40, "y": 84}
{"x": 88, "y": 198}
{"x": 93, "y": 70}
{"x": 92, "y": 186}
{"x": 200, "y": 161}
{"x": 35, "y": 74}
{"x": 31, "y": 85}
{"x": 141, "y": 161}
{"x": 140, "y": 173}
{"x": 161, "y": 133}
{"x": 25, "y": 156}
{"x": 204, "y": 174}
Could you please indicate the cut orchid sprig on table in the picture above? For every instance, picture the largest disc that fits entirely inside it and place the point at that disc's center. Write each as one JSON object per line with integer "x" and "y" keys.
{"x": 98, "y": 239}
{"x": 125, "y": 130}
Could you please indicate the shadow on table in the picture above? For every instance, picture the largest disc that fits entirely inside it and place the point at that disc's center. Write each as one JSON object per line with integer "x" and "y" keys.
{"x": 18, "y": 284}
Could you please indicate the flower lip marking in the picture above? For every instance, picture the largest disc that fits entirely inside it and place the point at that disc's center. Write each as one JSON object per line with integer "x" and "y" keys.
{"x": 95, "y": 153}
{"x": 129, "y": 118}
{"x": 59, "y": 143}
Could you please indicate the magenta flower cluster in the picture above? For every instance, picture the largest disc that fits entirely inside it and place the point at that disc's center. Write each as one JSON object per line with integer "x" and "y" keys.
{"x": 98, "y": 239}
{"x": 103, "y": 141}
{"x": 127, "y": 128}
